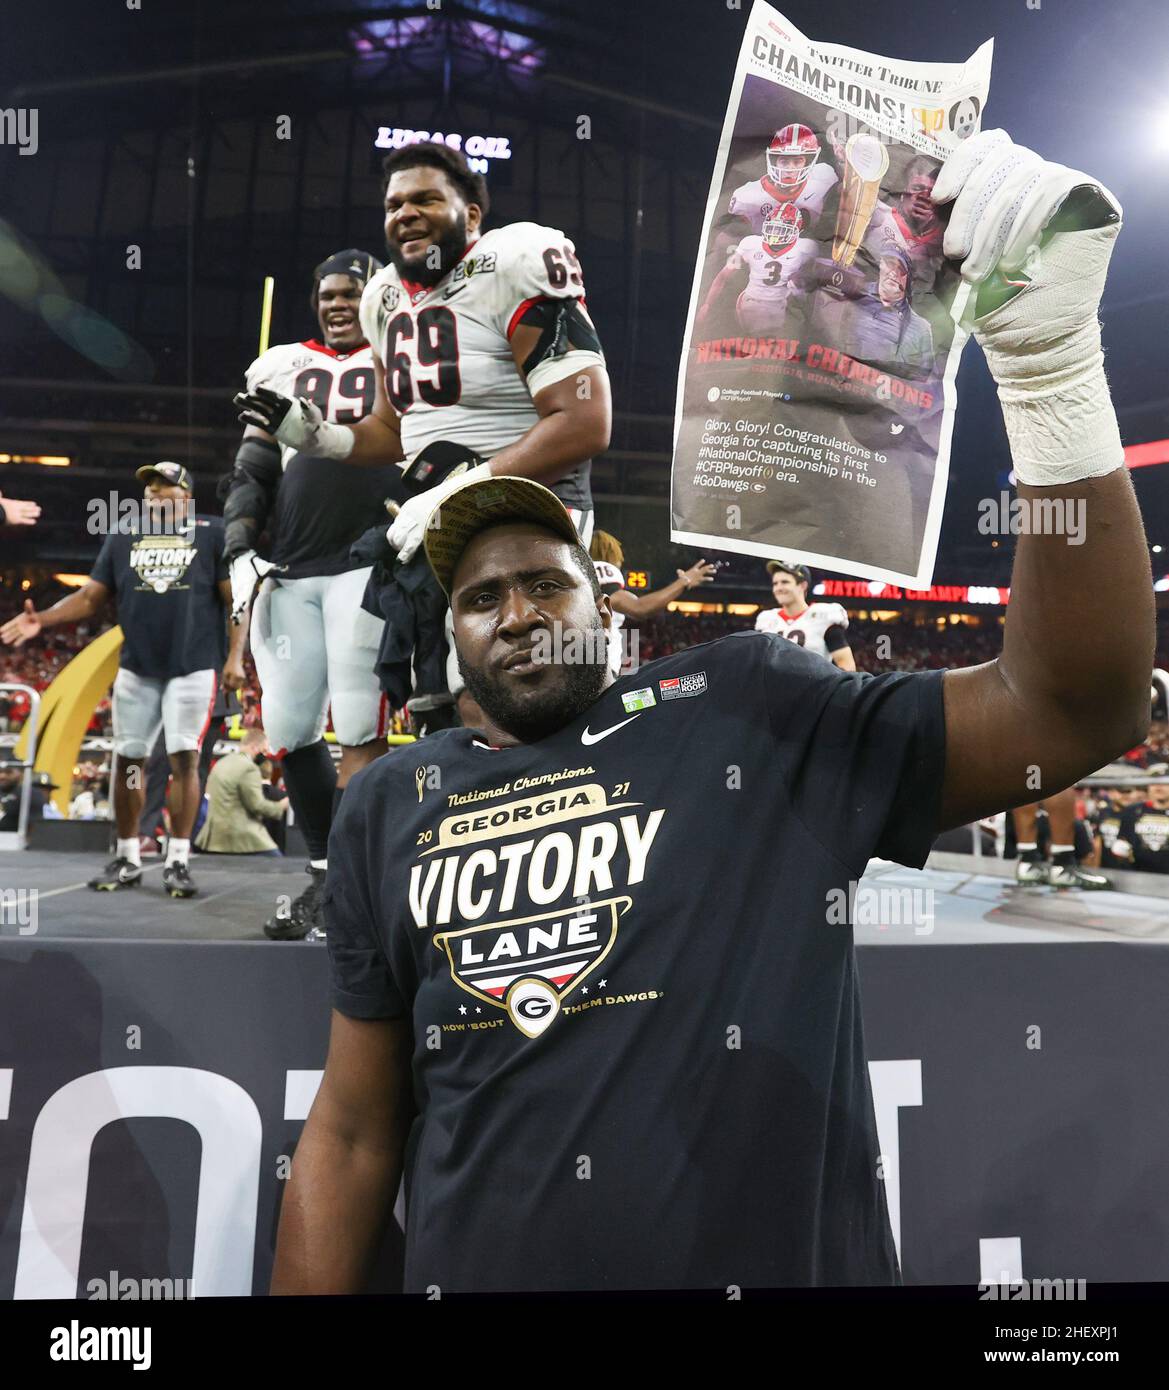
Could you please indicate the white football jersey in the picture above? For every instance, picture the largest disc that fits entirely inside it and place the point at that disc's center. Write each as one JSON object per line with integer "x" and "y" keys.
{"x": 446, "y": 350}
{"x": 610, "y": 578}
{"x": 757, "y": 201}
{"x": 763, "y": 302}
{"x": 340, "y": 384}
{"x": 808, "y": 629}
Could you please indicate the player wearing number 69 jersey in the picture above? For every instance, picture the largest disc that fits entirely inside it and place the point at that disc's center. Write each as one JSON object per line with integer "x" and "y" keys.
{"x": 450, "y": 369}
{"x": 313, "y": 644}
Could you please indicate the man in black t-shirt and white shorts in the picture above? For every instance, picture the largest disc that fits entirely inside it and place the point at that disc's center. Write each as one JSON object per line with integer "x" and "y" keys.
{"x": 169, "y": 582}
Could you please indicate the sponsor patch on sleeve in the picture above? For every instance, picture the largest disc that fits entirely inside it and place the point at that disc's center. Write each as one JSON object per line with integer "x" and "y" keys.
{"x": 638, "y": 699}
{"x": 681, "y": 687}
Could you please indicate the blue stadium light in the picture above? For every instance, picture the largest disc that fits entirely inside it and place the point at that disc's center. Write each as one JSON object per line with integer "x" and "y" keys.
{"x": 377, "y": 36}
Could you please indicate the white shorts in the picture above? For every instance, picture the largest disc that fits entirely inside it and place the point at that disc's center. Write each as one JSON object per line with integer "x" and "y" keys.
{"x": 583, "y": 521}
{"x": 181, "y": 707}
{"x": 314, "y": 647}
{"x": 762, "y": 316}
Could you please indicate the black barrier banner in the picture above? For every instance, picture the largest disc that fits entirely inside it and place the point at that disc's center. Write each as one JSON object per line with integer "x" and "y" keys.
{"x": 151, "y": 1098}
{"x": 816, "y": 391}
{"x": 152, "y": 1094}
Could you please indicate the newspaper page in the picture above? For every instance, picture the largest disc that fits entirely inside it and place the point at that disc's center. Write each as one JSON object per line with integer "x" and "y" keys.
{"x": 816, "y": 392}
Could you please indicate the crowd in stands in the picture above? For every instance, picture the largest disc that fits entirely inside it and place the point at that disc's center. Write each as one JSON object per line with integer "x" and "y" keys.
{"x": 36, "y": 665}
{"x": 47, "y": 406}
{"x": 876, "y": 646}
{"x": 905, "y": 647}
{"x": 1154, "y": 752}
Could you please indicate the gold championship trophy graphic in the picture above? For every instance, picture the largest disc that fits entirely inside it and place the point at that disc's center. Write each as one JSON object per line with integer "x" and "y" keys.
{"x": 865, "y": 163}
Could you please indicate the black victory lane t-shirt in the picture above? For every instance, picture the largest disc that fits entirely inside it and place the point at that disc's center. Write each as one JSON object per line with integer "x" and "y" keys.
{"x": 638, "y": 1054}
{"x": 166, "y": 589}
{"x": 1146, "y": 828}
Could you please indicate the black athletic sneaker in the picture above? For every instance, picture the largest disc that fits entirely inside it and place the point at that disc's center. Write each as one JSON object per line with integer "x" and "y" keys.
{"x": 118, "y": 873}
{"x": 1031, "y": 868}
{"x": 176, "y": 879}
{"x": 303, "y": 915}
{"x": 307, "y": 908}
{"x": 283, "y": 928}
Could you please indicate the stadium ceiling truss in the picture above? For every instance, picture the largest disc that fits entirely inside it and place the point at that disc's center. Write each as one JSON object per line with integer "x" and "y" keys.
{"x": 216, "y": 201}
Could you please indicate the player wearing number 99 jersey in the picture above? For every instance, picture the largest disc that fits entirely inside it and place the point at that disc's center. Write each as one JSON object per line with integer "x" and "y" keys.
{"x": 314, "y": 645}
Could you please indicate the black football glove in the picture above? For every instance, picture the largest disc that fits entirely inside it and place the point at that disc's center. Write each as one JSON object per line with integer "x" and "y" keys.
{"x": 262, "y": 407}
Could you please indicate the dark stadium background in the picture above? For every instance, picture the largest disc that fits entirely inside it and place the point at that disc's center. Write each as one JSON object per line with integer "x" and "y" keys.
{"x": 157, "y": 127}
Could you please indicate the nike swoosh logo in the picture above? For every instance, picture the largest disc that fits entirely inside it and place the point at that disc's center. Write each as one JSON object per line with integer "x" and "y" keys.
{"x": 587, "y": 737}
{"x": 450, "y": 294}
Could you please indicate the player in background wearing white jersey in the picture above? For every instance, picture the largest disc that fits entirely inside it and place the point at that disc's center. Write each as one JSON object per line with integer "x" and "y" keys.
{"x": 313, "y": 644}
{"x": 817, "y": 627}
{"x": 480, "y": 340}
{"x": 608, "y": 561}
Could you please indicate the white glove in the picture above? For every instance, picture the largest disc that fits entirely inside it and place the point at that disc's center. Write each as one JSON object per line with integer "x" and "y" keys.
{"x": 409, "y": 526}
{"x": 1043, "y": 345}
{"x": 245, "y": 572}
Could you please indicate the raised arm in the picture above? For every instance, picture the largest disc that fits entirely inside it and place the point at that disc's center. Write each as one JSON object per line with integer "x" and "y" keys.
{"x": 74, "y": 608}
{"x": 658, "y": 600}
{"x": 1071, "y": 688}
{"x": 348, "y": 1164}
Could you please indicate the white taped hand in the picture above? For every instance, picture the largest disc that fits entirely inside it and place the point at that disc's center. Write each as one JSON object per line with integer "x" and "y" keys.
{"x": 245, "y": 573}
{"x": 1043, "y": 345}
{"x": 307, "y": 431}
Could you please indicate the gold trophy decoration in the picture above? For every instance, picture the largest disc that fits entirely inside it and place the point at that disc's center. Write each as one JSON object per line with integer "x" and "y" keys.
{"x": 865, "y": 163}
